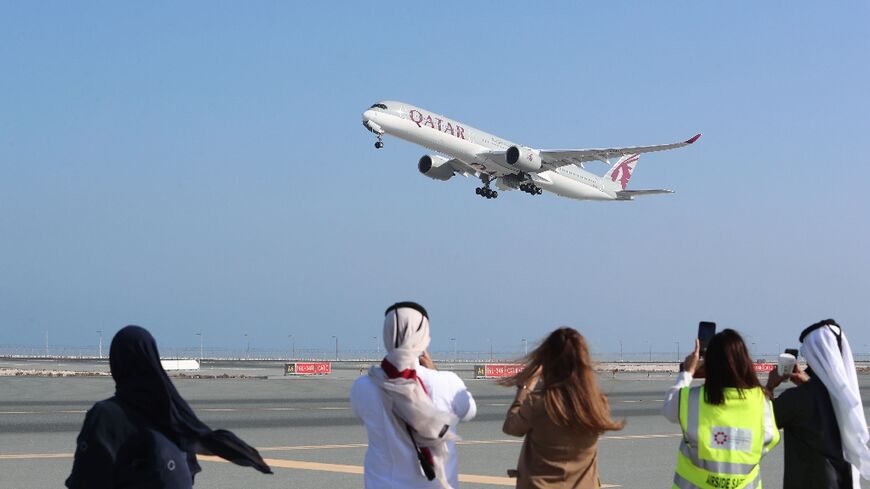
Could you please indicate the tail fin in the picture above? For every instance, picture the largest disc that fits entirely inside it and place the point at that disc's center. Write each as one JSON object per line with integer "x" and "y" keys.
{"x": 622, "y": 171}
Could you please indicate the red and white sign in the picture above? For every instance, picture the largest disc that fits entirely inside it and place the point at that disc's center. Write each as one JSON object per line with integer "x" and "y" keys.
{"x": 495, "y": 370}
{"x": 764, "y": 367}
{"x": 308, "y": 368}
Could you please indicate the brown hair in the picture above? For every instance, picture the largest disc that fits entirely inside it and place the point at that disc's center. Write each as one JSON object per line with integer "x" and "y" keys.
{"x": 727, "y": 364}
{"x": 568, "y": 386}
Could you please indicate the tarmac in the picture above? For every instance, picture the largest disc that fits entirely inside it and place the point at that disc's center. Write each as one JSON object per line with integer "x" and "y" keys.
{"x": 306, "y": 430}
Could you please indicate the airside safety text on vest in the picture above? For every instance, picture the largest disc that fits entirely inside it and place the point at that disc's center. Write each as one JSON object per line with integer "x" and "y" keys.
{"x": 724, "y": 482}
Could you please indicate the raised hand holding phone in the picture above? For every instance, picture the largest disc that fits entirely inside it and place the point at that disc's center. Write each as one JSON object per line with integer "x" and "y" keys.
{"x": 693, "y": 360}
{"x": 426, "y": 361}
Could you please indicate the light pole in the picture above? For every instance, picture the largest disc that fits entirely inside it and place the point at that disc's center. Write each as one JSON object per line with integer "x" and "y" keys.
{"x": 292, "y": 347}
{"x": 620, "y": 351}
{"x": 377, "y": 348}
{"x": 46, "y": 343}
{"x": 454, "y": 348}
{"x": 525, "y": 347}
{"x": 336, "y": 347}
{"x": 100, "y": 332}
{"x": 649, "y": 344}
{"x": 490, "y": 350}
{"x": 753, "y": 351}
{"x": 200, "y": 348}
{"x": 247, "y": 346}
{"x": 678, "y": 350}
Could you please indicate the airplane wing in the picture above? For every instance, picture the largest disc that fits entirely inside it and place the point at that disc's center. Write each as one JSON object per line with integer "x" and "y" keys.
{"x": 463, "y": 168}
{"x": 631, "y": 194}
{"x": 555, "y": 158}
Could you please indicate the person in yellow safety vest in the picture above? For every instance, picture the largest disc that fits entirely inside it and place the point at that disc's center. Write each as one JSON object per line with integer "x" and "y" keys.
{"x": 727, "y": 423}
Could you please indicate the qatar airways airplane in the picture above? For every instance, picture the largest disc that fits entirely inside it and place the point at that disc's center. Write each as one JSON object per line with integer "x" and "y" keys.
{"x": 511, "y": 166}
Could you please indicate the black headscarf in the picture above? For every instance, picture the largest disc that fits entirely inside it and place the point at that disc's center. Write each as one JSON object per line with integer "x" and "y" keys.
{"x": 142, "y": 384}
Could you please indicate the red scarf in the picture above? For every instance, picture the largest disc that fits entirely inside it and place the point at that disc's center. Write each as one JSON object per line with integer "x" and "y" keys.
{"x": 409, "y": 373}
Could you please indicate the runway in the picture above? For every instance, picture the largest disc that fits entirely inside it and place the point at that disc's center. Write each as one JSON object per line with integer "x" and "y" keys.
{"x": 308, "y": 433}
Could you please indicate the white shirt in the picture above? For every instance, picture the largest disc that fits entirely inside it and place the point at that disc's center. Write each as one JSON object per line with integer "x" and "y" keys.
{"x": 391, "y": 461}
{"x": 671, "y": 408}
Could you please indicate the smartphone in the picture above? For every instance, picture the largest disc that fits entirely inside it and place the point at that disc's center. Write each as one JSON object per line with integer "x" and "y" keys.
{"x": 785, "y": 364}
{"x": 706, "y": 331}
{"x": 792, "y": 351}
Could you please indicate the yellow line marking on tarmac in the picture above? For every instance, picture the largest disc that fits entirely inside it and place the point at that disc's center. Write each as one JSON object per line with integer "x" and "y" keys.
{"x": 358, "y": 470}
{"x": 302, "y": 465}
{"x": 311, "y": 447}
{"x": 504, "y": 441}
{"x": 209, "y": 410}
{"x": 66, "y": 411}
{"x": 640, "y": 437}
{"x": 34, "y": 456}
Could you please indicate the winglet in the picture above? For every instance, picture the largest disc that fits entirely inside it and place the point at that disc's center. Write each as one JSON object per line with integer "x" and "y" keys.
{"x": 694, "y": 138}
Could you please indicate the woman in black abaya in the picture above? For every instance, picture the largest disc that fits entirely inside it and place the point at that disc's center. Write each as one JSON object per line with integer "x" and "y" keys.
{"x": 147, "y": 436}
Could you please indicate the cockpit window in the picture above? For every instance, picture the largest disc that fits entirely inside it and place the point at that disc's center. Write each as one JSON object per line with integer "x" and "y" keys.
{"x": 378, "y": 106}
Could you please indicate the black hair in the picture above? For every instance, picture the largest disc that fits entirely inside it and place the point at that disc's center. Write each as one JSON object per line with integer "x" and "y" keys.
{"x": 727, "y": 364}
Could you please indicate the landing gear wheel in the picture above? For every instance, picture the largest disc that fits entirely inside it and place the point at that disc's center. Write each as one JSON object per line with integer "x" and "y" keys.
{"x": 494, "y": 194}
{"x": 478, "y": 190}
{"x": 539, "y": 191}
{"x": 379, "y": 144}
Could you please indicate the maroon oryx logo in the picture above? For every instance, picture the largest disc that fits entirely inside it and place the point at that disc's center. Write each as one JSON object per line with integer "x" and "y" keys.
{"x": 623, "y": 170}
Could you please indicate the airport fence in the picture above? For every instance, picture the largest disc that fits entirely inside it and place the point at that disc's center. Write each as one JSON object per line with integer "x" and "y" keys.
{"x": 321, "y": 354}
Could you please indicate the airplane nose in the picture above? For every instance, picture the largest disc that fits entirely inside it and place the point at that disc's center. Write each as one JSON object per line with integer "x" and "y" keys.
{"x": 368, "y": 120}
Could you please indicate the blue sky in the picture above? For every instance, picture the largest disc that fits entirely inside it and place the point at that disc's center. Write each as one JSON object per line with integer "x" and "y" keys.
{"x": 202, "y": 167}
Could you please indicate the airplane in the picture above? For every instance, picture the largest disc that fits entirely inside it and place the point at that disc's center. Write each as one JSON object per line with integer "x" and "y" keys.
{"x": 510, "y": 165}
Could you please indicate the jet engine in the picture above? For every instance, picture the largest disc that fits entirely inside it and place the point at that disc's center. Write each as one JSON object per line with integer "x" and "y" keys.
{"x": 435, "y": 167}
{"x": 523, "y": 159}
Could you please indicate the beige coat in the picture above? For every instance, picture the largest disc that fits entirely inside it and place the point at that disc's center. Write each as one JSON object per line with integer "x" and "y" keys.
{"x": 552, "y": 456}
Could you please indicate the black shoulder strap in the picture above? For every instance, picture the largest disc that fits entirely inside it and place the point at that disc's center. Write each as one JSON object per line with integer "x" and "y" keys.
{"x": 427, "y": 467}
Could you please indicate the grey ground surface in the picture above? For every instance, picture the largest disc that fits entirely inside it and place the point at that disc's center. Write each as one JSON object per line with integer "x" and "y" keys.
{"x": 309, "y": 420}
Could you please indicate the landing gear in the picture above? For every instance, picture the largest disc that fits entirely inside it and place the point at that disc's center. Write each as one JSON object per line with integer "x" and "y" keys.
{"x": 531, "y": 189}
{"x": 380, "y": 143}
{"x": 485, "y": 191}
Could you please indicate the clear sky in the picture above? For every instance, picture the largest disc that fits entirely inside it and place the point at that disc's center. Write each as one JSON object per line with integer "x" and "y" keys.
{"x": 201, "y": 166}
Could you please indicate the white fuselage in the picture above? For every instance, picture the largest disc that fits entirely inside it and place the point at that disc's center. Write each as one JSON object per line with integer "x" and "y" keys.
{"x": 469, "y": 145}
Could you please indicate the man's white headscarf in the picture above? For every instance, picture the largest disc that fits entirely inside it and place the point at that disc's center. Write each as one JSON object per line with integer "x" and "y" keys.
{"x": 406, "y": 337}
{"x": 828, "y": 353}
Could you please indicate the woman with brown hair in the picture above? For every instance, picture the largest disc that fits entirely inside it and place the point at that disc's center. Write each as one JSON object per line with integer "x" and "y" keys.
{"x": 727, "y": 422}
{"x": 561, "y": 411}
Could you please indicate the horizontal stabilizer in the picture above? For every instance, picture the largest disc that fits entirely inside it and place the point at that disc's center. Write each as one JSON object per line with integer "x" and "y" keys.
{"x": 631, "y": 194}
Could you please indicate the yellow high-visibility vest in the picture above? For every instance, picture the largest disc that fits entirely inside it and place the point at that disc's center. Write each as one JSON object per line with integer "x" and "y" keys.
{"x": 723, "y": 444}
